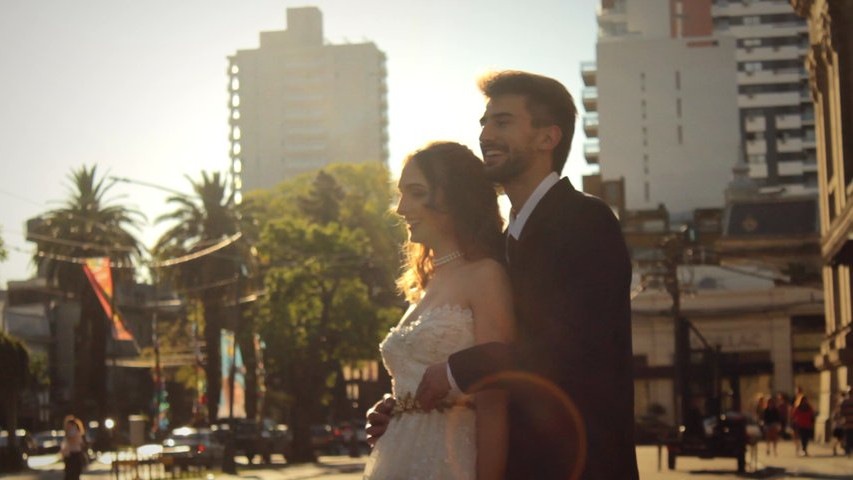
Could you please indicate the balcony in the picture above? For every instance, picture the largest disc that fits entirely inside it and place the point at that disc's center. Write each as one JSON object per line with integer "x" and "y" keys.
{"x": 756, "y": 147}
{"x": 788, "y": 122}
{"x": 787, "y": 169}
{"x": 588, "y": 73}
{"x": 755, "y": 124}
{"x": 789, "y": 145}
{"x": 591, "y": 150}
{"x": 753, "y": 54}
{"x": 589, "y": 96}
{"x": 758, "y": 170}
{"x": 787, "y": 29}
{"x": 769, "y": 76}
{"x": 590, "y": 124}
{"x": 759, "y": 100}
{"x": 737, "y": 8}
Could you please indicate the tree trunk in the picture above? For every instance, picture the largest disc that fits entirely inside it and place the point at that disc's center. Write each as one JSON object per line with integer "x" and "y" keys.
{"x": 100, "y": 329}
{"x": 246, "y": 341}
{"x": 213, "y": 365}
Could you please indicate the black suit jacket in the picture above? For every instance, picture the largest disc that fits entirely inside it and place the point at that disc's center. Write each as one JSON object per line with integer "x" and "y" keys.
{"x": 569, "y": 372}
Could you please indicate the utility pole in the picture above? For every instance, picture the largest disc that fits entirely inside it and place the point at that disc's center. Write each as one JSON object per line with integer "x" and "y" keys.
{"x": 673, "y": 250}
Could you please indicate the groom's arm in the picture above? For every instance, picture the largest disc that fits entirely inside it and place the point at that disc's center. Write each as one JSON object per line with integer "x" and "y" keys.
{"x": 472, "y": 370}
{"x": 473, "y": 367}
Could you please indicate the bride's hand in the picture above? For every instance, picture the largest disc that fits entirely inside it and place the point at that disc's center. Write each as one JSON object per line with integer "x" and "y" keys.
{"x": 434, "y": 386}
{"x": 377, "y": 419}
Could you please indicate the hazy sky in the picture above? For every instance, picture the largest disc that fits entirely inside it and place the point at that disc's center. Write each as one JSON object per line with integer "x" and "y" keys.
{"x": 139, "y": 88}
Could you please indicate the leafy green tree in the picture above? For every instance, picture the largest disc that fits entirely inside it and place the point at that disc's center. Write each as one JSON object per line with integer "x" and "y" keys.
{"x": 14, "y": 376}
{"x": 209, "y": 217}
{"x": 331, "y": 263}
{"x": 87, "y": 225}
{"x": 3, "y": 251}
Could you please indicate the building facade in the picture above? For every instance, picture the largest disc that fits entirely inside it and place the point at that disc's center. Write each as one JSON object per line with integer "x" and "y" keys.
{"x": 298, "y": 103}
{"x": 749, "y": 337}
{"x": 683, "y": 90}
{"x": 776, "y": 117}
{"x": 661, "y": 103}
{"x": 830, "y": 66}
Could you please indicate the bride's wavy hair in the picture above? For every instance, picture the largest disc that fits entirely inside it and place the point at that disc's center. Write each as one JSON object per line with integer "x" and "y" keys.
{"x": 458, "y": 187}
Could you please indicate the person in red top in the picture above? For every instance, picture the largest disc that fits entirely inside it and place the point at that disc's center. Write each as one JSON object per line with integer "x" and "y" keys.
{"x": 803, "y": 419}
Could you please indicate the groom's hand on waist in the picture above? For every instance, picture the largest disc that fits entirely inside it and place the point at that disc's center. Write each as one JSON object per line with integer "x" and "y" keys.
{"x": 377, "y": 419}
{"x": 434, "y": 386}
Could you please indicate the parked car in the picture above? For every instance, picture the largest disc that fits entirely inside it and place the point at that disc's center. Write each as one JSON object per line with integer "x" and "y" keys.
{"x": 192, "y": 446}
{"x": 722, "y": 436}
{"x": 250, "y": 438}
{"x": 11, "y": 459}
{"x": 323, "y": 438}
{"x": 48, "y": 441}
{"x": 278, "y": 437}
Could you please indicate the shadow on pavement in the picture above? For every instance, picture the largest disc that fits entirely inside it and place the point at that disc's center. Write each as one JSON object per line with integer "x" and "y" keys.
{"x": 773, "y": 472}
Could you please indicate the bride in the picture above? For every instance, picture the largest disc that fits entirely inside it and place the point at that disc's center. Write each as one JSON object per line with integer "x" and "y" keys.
{"x": 460, "y": 296}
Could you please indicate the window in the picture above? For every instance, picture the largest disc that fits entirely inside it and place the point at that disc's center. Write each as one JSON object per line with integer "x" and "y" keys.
{"x": 678, "y": 107}
{"x": 680, "y": 135}
{"x": 752, "y": 42}
{"x": 677, "y": 80}
{"x": 646, "y": 191}
{"x": 752, "y": 20}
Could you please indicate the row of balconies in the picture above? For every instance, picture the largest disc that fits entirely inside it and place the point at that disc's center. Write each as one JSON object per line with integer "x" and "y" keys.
{"x": 736, "y": 8}
{"x": 786, "y": 75}
{"x": 783, "y": 145}
{"x": 783, "y": 122}
{"x": 787, "y": 52}
{"x": 760, "y": 100}
{"x": 589, "y": 97}
{"x": 588, "y": 73}
{"x": 767, "y": 30}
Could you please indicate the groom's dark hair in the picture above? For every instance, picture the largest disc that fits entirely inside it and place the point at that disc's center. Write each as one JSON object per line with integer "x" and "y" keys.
{"x": 548, "y": 102}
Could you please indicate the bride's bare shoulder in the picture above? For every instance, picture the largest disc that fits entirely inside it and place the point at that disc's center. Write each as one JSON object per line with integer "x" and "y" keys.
{"x": 486, "y": 267}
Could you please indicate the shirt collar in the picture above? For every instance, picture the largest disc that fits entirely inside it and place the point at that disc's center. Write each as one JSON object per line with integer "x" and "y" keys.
{"x": 517, "y": 221}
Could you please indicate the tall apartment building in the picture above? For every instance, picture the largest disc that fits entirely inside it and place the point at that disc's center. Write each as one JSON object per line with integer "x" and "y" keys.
{"x": 661, "y": 103}
{"x": 776, "y": 113}
{"x": 298, "y": 103}
{"x": 744, "y": 56}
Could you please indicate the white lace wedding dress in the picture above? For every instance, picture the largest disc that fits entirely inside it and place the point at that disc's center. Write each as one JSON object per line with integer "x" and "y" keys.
{"x": 418, "y": 445}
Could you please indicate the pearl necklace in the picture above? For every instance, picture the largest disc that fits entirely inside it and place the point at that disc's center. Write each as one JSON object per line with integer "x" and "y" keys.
{"x": 445, "y": 259}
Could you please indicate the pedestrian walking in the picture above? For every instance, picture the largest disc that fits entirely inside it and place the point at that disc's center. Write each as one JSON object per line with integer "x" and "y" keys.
{"x": 803, "y": 418}
{"x": 846, "y": 412}
{"x": 73, "y": 448}
{"x": 772, "y": 425}
{"x": 784, "y": 407}
{"x": 837, "y": 422}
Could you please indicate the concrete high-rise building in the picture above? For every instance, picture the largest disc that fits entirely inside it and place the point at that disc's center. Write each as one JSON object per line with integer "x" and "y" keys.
{"x": 776, "y": 113}
{"x": 681, "y": 66}
{"x": 661, "y": 104}
{"x": 299, "y": 103}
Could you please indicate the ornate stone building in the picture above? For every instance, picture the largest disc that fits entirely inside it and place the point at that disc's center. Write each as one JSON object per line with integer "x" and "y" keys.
{"x": 829, "y": 63}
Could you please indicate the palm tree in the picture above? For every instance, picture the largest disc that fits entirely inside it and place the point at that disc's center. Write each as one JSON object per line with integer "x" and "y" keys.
{"x": 87, "y": 225}
{"x": 209, "y": 217}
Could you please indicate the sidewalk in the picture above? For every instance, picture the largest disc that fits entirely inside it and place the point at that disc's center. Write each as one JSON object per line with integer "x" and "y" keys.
{"x": 821, "y": 464}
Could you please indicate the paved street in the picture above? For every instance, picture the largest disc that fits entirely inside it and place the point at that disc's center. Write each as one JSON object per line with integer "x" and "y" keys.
{"x": 820, "y": 465}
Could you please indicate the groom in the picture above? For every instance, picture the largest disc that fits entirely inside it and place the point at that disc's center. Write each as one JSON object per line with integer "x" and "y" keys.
{"x": 569, "y": 372}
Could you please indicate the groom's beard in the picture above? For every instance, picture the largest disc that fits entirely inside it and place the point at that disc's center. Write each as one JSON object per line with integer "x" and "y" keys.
{"x": 517, "y": 161}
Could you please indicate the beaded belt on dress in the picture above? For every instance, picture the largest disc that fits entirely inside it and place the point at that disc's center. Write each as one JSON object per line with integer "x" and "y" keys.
{"x": 408, "y": 404}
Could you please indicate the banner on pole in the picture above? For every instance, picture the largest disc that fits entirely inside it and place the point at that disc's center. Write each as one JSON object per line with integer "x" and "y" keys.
{"x": 232, "y": 361}
{"x": 100, "y": 276}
